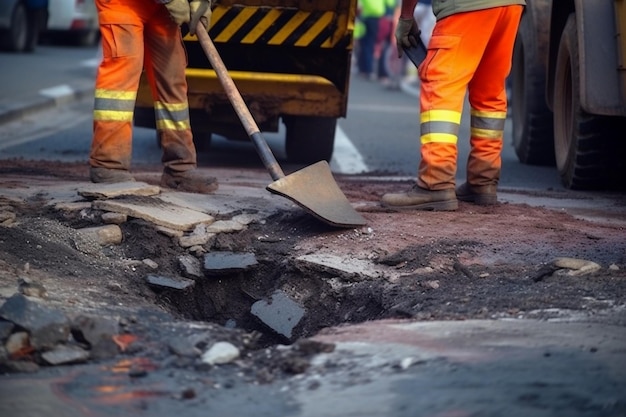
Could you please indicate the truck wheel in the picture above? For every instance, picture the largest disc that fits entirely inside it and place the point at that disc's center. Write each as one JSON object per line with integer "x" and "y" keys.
{"x": 532, "y": 119}
{"x": 586, "y": 146}
{"x": 18, "y": 35}
{"x": 310, "y": 139}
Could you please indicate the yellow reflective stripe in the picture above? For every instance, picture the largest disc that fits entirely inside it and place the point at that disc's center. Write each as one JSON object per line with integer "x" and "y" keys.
{"x": 115, "y": 94}
{"x": 486, "y": 133}
{"x": 172, "y": 125}
{"x": 488, "y": 114}
{"x": 438, "y": 138}
{"x": 260, "y": 28}
{"x": 112, "y": 116}
{"x": 440, "y": 116}
{"x": 172, "y": 107}
{"x": 293, "y": 23}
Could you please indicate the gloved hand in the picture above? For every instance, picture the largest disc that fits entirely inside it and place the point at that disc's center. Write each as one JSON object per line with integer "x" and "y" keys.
{"x": 179, "y": 11}
{"x": 200, "y": 12}
{"x": 407, "y": 34}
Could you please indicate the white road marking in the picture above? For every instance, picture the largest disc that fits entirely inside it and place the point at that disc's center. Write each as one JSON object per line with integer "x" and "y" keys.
{"x": 57, "y": 91}
{"x": 346, "y": 158}
{"x": 90, "y": 63}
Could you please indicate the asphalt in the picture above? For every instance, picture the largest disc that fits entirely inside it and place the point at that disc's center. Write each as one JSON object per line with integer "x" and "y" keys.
{"x": 571, "y": 366}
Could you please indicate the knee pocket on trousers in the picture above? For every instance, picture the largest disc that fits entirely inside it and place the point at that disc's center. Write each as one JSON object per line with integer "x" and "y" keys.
{"x": 120, "y": 40}
{"x": 441, "y": 57}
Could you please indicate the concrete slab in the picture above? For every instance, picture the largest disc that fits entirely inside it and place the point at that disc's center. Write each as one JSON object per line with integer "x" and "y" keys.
{"x": 100, "y": 191}
{"x": 157, "y": 212}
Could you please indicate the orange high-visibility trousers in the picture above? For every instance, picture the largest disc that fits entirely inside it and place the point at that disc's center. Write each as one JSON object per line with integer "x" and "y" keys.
{"x": 472, "y": 52}
{"x": 138, "y": 34}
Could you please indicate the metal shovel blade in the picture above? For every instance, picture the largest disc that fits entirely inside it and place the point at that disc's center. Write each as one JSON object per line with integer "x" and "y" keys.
{"x": 314, "y": 189}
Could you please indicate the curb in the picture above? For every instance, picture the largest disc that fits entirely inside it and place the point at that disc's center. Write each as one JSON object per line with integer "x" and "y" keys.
{"x": 46, "y": 99}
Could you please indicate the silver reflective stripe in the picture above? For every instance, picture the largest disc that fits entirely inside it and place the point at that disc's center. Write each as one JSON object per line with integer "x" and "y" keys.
{"x": 439, "y": 127}
{"x": 114, "y": 104}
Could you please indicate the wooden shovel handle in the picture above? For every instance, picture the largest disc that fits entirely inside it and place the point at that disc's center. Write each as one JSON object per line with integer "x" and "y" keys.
{"x": 238, "y": 104}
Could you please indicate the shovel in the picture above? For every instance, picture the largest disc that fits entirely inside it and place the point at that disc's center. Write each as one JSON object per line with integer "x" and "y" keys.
{"x": 313, "y": 187}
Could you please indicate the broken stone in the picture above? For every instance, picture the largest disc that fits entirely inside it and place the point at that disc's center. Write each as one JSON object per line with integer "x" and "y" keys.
{"x": 347, "y": 267}
{"x": 226, "y": 226}
{"x": 576, "y": 266}
{"x": 113, "y": 190}
{"x": 194, "y": 240}
{"x": 190, "y": 266}
{"x": 171, "y": 283}
{"x": 220, "y": 353}
{"x": 46, "y": 326}
{"x": 246, "y": 218}
{"x": 150, "y": 263}
{"x": 184, "y": 347}
{"x": 16, "y": 342}
{"x": 169, "y": 232}
{"x": 30, "y": 288}
{"x": 228, "y": 262}
{"x": 114, "y": 218}
{"x": 6, "y": 328}
{"x": 157, "y": 212}
{"x": 98, "y": 332}
{"x": 63, "y": 354}
{"x": 7, "y": 217}
{"x": 280, "y": 313}
{"x": 104, "y": 235}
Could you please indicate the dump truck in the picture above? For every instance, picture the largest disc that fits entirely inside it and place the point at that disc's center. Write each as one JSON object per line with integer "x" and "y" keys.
{"x": 290, "y": 60}
{"x": 568, "y": 86}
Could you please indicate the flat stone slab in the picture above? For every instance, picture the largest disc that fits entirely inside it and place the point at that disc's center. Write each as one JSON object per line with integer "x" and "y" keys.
{"x": 157, "y": 212}
{"x": 101, "y": 191}
{"x": 226, "y": 262}
{"x": 343, "y": 265}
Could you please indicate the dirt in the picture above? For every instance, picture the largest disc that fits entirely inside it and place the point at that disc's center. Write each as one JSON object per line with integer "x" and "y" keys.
{"x": 477, "y": 262}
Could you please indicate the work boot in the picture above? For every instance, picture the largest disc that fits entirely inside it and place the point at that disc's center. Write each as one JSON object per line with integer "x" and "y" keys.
{"x": 192, "y": 181}
{"x": 483, "y": 195}
{"x": 108, "y": 175}
{"x": 421, "y": 199}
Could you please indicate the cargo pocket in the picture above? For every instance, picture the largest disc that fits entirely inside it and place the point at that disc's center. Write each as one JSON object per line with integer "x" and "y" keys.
{"x": 440, "y": 59}
{"x": 120, "y": 41}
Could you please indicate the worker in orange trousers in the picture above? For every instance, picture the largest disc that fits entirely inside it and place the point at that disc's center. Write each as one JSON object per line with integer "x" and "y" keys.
{"x": 138, "y": 35}
{"x": 470, "y": 50}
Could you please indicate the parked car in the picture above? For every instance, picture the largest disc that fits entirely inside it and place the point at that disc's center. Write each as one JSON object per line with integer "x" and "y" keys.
{"x": 74, "y": 22}
{"x": 21, "y": 22}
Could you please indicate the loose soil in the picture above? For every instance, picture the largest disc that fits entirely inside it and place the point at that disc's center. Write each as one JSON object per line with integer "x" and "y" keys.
{"x": 477, "y": 262}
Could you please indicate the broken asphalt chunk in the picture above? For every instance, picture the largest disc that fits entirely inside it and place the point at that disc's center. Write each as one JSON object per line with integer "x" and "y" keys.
{"x": 46, "y": 326}
{"x": 65, "y": 354}
{"x": 228, "y": 262}
{"x": 169, "y": 283}
{"x": 280, "y": 313}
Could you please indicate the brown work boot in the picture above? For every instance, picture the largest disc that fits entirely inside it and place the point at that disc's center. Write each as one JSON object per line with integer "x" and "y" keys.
{"x": 108, "y": 175}
{"x": 483, "y": 195}
{"x": 421, "y": 199}
{"x": 192, "y": 181}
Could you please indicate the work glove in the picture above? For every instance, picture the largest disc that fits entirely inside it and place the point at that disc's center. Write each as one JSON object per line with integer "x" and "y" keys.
{"x": 179, "y": 11}
{"x": 407, "y": 35}
{"x": 200, "y": 12}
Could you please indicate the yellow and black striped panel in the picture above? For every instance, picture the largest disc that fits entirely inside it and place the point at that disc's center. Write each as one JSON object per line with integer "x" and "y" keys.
{"x": 281, "y": 26}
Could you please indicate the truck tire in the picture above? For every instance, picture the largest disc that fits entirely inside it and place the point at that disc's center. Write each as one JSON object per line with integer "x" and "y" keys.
{"x": 18, "y": 35}
{"x": 310, "y": 139}
{"x": 587, "y": 147}
{"x": 532, "y": 119}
